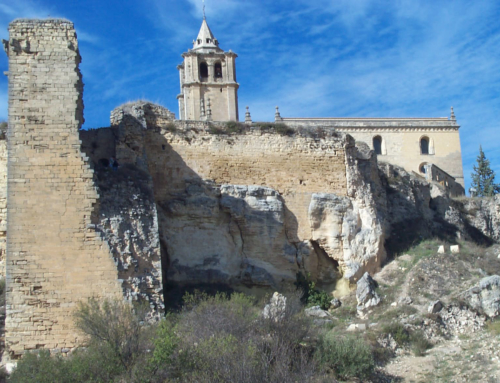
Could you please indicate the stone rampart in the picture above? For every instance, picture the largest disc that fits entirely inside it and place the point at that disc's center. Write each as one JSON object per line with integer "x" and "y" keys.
{"x": 55, "y": 258}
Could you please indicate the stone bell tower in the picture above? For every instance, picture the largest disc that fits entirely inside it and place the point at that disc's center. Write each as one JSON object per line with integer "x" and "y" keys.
{"x": 209, "y": 90}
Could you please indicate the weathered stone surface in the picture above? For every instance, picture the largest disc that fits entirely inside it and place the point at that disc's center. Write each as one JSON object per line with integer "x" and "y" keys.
{"x": 276, "y": 308}
{"x": 485, "y": 296}
{"x": 55, "y": 256}
{"x": 365, "y": 292}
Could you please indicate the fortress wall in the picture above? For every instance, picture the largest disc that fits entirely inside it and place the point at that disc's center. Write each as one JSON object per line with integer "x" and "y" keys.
{"x": 403, "y": 149}
{"x": 54, "y": 256}
{"x": 296, "y": 166}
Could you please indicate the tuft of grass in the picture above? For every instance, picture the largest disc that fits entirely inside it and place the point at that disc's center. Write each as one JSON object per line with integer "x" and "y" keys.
{"x": 347, "y": 356}
{"x": 171, "y": 127}
{"x": 234, "y": 127}
{"x": 279, "y": 127}
{"x": 419, "y": 343}
{"x": 494, "y": 327}
{"x": 398, "y": 332}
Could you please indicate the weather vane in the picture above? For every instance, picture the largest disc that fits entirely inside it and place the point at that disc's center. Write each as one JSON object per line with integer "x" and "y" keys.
{"x": 203, "y": 9}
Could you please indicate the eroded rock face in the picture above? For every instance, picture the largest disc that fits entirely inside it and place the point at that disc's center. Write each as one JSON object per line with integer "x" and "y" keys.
{"x": 127, "y": 219}
{"x": 229, "y": 234}
{"x": 485, "y": 297}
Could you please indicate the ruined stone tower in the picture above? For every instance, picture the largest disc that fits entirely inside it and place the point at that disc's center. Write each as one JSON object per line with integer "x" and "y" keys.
{"x": 209, "y": 90}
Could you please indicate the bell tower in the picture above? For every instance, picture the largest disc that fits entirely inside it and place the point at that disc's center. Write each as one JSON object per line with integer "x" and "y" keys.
{"x": 209, "y": 90}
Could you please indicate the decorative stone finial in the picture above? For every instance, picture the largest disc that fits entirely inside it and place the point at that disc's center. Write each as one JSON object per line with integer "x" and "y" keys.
{"x": 248, "y": 118}
{"x": 209, "y": 111}
{"x": 277, "y": 116}
{"x": 202, "y": 108}
{"x": 452, "y": 115}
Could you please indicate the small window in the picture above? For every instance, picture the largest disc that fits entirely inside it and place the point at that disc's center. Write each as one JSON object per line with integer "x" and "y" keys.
{"x": 203, "y": 70}
{"x": 218, "y": 70}
{"x": 199, "y": 41}
{"x": 208, "y": 41}
{"x": 424, "y": 145}
{"x": 377, "y": 145}
{"x": 422, "y": 168}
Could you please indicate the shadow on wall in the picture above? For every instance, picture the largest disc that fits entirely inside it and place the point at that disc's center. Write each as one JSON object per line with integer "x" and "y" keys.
{"x": 415, "y": 216}
{"x": 208, "y": 235}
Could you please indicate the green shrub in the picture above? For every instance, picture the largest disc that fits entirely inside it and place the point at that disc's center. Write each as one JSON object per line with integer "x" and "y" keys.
{"x": 118, "y": 326}
{"x": 264, "y": 126}
{"x": 419, "y": 343}
{"x": 234, "y": 127}
{"x": 494, "y": 327}
{"x": 283, "y": 129}
{"x": 346, "y": 356}
{"x": 212, "y": 129}
{"x": 91, "y": 365}
{"x": 278, "y": 127}
{"x": 310, "y": 295}
{"x": 170, "y": 127}
{"x": 398, "y": 332}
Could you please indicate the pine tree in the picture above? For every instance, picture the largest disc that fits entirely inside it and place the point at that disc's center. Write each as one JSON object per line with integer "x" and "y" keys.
{"x": 483, "y": 178}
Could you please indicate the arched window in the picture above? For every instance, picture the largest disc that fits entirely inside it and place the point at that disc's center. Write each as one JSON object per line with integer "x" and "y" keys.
{"x": 377, "y": 144}
{"x": 203, "y": 70}
{"x": 422, "y": 168}
{"x": 424, "y": 145}
{"x": 218, "y": 70}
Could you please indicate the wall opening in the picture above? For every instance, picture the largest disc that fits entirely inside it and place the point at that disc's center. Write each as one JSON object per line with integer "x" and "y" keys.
{"x": 203, "y": 71}
{"x": 424, "y": 145}
{"x": 218, "y": 70}
{"x": 377, "y": 145}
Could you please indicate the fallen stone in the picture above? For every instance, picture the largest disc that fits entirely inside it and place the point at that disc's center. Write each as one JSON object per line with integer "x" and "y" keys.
{"x": 317, "y": 312}
{"x": 335, "y": 303}
{"x": 357, "y": 327}
{"x": 405, "y": 300}
{"x": 435, "y": 307}
{"x": 455, "y": 249}
{"x": 365, "y": 292}
{"x": 441, "y": 249}
{"x": 394, "y": 304}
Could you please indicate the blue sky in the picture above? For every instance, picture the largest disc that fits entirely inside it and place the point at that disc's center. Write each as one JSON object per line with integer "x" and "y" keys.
{"x": 343, "y": 58}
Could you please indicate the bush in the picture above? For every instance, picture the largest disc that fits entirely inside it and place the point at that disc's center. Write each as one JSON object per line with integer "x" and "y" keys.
{"x": 283, "y": 129}
{"x": 82, "y": 366}
{"x": 419, "y": 343}
{"x": 347, "y": 356}
{"x": 170, "y": 127}
{"x": 229, "y": 335}
{"x": 278, "y": 127}
{"x": 310, "y": 295}
{"x": 234, "y": 127}
{"x": 116, "y": 327}
{"x": 494, "y": 327}
{"x": 398, "y": 332}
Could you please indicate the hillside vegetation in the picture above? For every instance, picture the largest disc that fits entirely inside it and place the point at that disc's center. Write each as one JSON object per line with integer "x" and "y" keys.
{"x": 226, "y": 338}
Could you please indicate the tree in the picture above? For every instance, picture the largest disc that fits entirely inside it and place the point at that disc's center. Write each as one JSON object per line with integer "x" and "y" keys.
{"x": 483, "y": 177}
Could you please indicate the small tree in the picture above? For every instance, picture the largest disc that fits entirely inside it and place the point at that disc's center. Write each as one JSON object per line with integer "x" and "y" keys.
{"x": 483, "y": 177}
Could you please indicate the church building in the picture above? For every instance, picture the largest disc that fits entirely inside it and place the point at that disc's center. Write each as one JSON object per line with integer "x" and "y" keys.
{"x": 429, "y": 147}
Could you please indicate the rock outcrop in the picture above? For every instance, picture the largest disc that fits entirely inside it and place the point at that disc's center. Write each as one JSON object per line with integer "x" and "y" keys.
{"x": 365, "y": 293}
{"x": 485, "y": 296}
